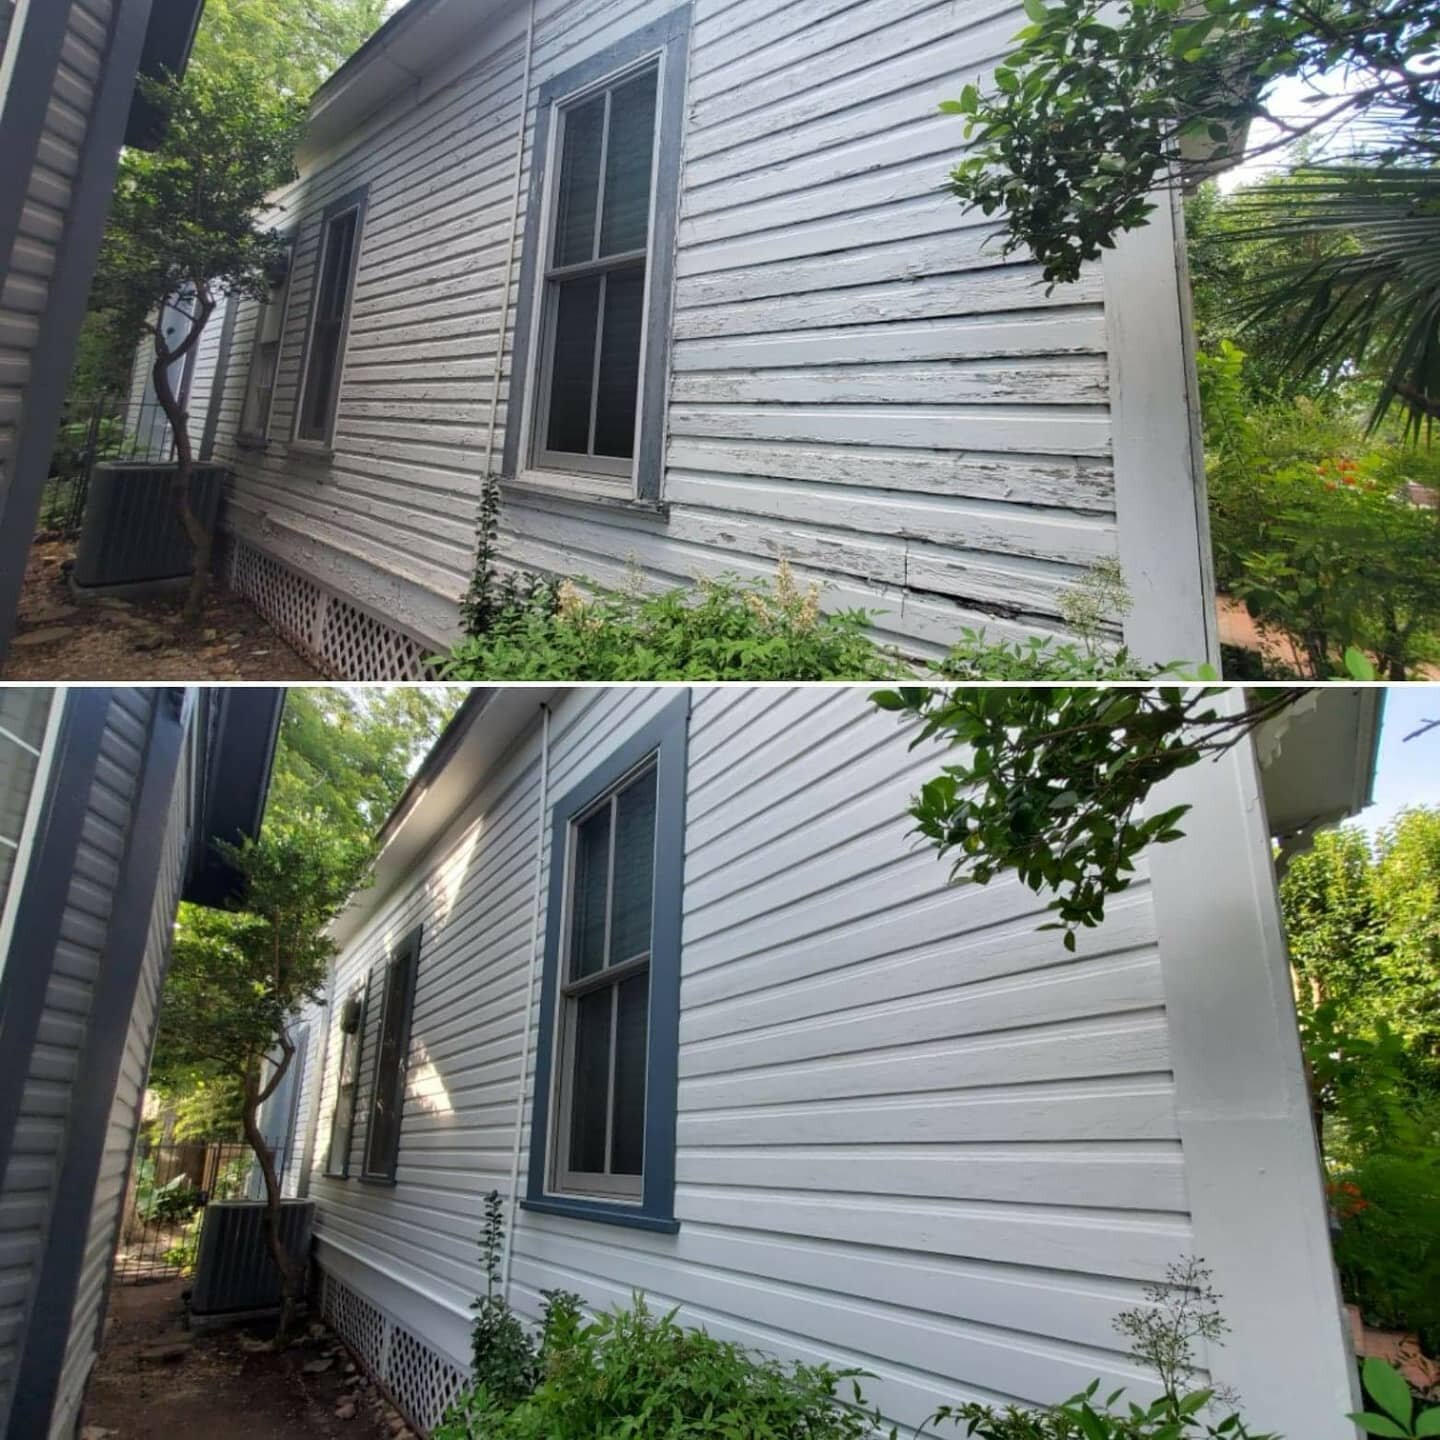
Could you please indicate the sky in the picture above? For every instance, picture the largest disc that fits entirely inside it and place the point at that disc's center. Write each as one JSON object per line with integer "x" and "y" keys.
{"x": 1407, "y": 773}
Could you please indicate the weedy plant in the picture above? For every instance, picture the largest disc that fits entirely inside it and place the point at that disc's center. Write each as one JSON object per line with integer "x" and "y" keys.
{"x": 1397, "y": 1417}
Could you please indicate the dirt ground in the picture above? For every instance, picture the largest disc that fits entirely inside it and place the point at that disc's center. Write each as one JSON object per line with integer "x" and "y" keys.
{"x": 60, "y": 638}
{"x": 156, "y": 1379}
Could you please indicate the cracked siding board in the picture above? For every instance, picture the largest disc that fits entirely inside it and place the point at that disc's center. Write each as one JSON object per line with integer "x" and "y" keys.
{"x": 846, "y": 342}
{"x": 28, "y": 269}
{"x": 911, "y": 1136}
{"x": 27, "y": 1190}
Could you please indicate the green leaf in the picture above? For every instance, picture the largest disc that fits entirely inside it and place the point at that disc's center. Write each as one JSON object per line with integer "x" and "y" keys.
{"x": 1388, "y": 1388}
{"x": 1036, "y": 10}
{"x": 1359, "y": 667}
{"x": 1374, "y": 1424}
{"x": 1429, "y": 1423}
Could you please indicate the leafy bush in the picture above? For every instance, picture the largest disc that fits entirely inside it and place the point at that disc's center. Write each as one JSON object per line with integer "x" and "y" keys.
{"x": 723, "y": 629}
{"x": 976, "y": 658}
{"x": 633, "y": 1374}
{"x": 1388, "y": 1248}
{"x": 1312, "y": 528}
{"x": 165, "y": 1204}
{"x": 1396, "y": 1416}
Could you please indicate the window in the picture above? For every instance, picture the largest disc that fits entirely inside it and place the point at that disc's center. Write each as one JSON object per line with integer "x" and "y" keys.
{"x": 265, "y": 359}
{"x": 24, "y": 715}
{"x": 592, "y": 326}
{"x": 353, "y": 1015}
{"x": 610, "y": 1004}
{"x": 329, "y": 320}
{"x": 387, "y": 1100}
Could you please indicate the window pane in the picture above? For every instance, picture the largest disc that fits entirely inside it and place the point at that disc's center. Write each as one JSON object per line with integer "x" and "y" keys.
{"x": 344, "y": 1107}
{"x": 317, "y": 403}
{"x": 385, "y": 1118}
{"x": 590, "y": 1097}
{"x": 579, "y": 182}
{"x": 626, "y": 222}
{"x": 627, "y": 1150}
{"x": 634, "y": 869}
{"x": 321, "y": 380}
{"x": 572, "y": 372}
{"x": 337, "y": 266}
{"x": 592, "y": 875}
{"x": 620, "y": 364}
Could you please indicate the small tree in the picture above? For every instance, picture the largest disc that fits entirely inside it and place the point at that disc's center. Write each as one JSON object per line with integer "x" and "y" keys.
{"x": 186, "y": 226}
{"x": 239, "y": 978}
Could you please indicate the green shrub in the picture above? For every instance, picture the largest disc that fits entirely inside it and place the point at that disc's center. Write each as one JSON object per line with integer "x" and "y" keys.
{"x": 633, "y": 1374}
{"x": 722, "y": 629}
{"x": 1388, "y": 1248}
{"x": 976, "y": 658}
{"x": 1395, "y": 1413}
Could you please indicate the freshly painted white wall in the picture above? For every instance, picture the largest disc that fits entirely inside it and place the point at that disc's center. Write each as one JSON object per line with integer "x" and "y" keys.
{"x": 859, "y": 383}
{"x": 914, "y": 1134}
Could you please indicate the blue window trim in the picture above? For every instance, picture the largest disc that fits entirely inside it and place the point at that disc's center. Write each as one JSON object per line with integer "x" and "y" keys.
{"x": 384, "y": 1173}
{"x": 666, "y": 738}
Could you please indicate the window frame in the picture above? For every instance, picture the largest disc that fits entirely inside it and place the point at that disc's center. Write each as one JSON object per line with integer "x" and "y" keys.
{"x": 663, "y": 742}
{"x": 355, "y": 201}
{"x": 524, "y": 460}
{"x": 369, "y": 1171}
{"x": 358, "y": 1035}
{"x": 261, "y": 434}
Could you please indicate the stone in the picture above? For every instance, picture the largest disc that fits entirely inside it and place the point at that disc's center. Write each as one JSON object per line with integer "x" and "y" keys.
{"x": 167, "y": 1351}
{"x": 96, "y": 1432}
{"x": 47, "y": 636}
{"x": 345, "y": 1410}
{"x": 317, "y": 1367}
{"x": 49, "y": 614}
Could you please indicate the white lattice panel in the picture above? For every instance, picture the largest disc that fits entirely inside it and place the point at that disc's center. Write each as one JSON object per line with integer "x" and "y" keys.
{"x": 418, "y": 1379}
{"x": 344, "y": 640}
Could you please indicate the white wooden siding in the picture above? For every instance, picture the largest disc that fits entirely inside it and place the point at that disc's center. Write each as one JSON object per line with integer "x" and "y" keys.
{"x": 125, "y": 1110}
{"x": 858, "y": 383}
{"x": 31, "y": 263}
{"x": 914, "y": 1135}
{"x": 28, "y": 1186}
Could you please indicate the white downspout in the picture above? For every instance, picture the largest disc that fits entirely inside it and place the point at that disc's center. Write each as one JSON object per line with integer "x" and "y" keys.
{"x": 510, "y": 250}
{"x": 535, "y": 958}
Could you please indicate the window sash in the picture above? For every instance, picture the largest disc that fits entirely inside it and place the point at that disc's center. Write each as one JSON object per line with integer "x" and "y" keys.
{"x": 330, "y": 312}
{"x": 347, "y": 1092}
{"x": 270, "y": 320}
{"x": 554, "y": 276}
{"x": 609, "y": 979}
{"x": 387, "y": 1096}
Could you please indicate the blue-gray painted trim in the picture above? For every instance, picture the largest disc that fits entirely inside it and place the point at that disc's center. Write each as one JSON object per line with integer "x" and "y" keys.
{"x": 357, "y": 200}
{"x": 385, "y": 1174}
{"x": 47, "y": 1336}
{"x": 671, "y": 32}
{"x": 44, "y": 892}
{"x": 69, "y": 293}
{"x": 666, "y": 737}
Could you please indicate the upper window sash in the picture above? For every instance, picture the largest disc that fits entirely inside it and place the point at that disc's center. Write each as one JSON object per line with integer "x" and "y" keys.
{"x": 270, "y": 318}
{"x": 332, "y": 292}
{"x": 347, "y": 1087}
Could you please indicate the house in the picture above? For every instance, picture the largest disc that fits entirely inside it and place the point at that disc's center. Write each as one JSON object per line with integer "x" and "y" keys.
{"x": 669, "y": 971}
{"x": 67, "y": 103}
{"x": 688, "y": 277}
{"x": 109, "y": 800}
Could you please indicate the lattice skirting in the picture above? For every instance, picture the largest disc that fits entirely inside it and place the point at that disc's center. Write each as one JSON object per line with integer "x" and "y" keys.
{"x": 418, "y": 1379}
{"x": 339, "y": 637}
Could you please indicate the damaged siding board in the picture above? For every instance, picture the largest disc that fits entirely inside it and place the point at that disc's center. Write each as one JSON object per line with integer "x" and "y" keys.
{"x": 859, "y": 383}
{"x": 908, "y": 1139}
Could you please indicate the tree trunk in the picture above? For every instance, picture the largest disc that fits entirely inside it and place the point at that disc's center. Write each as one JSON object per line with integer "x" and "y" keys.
{"x": 200, "y": 539}
{"x": 290, "y": 1274}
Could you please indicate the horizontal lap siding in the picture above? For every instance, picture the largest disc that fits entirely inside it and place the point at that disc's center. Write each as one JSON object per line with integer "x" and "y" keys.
{"x": 859, "y": 384}
{"x": 125, "y": 1111}
{"x": 27, "y": 1189}
{"x": 31, "y": 264}
{"x": 914, "y": 1135}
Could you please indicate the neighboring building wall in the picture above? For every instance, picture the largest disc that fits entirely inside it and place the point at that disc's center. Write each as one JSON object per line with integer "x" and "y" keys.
{"x": 28, "y": 1187}
{"x": 125, "y": 1110}
{"x": 914, "y": 1135}
{"x": 7, "y": 10}
{"x": 31, "y": 262}
{"x": 858, "y": 384}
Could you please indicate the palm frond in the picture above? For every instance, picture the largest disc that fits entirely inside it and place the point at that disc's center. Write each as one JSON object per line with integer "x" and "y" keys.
{"x": 1371, "y": 297}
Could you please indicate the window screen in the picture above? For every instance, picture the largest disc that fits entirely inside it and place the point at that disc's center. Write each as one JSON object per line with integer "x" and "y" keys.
{"x": 329, "y": 312}
{"x": 594, "y": 282}
{"x": 382, "y": 1140}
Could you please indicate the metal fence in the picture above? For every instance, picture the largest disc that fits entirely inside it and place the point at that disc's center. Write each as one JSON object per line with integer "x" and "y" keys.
{"x": 99, "y": 428}
{"x": 170, "y": 1186}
